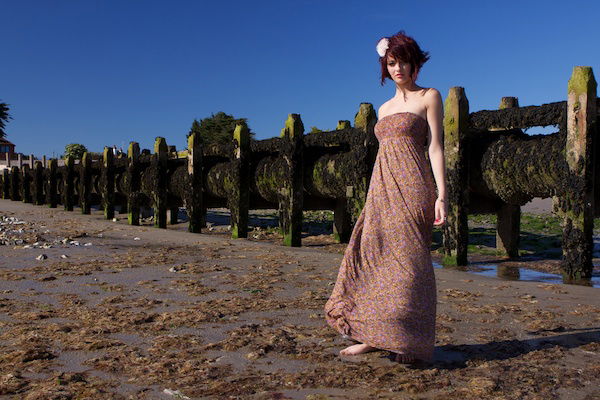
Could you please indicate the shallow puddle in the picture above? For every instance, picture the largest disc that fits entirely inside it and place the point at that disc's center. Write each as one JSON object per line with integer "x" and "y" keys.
{"x": 517, "y": 274}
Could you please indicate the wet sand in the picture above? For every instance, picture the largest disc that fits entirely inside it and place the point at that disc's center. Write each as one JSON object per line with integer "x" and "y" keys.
{"x": 122, "y": 312}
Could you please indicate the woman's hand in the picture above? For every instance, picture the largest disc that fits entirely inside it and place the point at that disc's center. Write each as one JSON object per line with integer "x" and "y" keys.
{"x": 441, "y": 209}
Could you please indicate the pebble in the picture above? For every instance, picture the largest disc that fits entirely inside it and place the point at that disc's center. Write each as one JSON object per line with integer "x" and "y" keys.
{"x": 175, "y": 393}
{"x": 41, "y": 257}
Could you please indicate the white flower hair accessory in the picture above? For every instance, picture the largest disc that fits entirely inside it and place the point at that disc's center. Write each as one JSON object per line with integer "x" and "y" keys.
{"x": 382, "y": 46}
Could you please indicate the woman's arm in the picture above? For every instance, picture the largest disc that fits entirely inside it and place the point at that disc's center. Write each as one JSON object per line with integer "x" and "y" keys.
{"x": 435, "y": 115}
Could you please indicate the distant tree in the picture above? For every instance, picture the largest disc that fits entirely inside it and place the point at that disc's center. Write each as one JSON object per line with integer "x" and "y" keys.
{"x": 218, "y": 128}
{"x": 314, "y": 129}
{"x": 75, "y": 150}
{"x": 4, "y": 117}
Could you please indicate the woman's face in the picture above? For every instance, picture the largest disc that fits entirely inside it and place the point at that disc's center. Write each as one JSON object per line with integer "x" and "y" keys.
{"x": 399, "y": 70}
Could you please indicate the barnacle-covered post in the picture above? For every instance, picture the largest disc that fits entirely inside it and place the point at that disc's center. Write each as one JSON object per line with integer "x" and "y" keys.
{"x": 15, "y": 180}
{"x": 576, "y": 204}
{"x": 26, "y": 183}
{"x": 508, "y": 222}
{"x": 108, "y": 183}
{"x": 6, "y": 183}
{"x": 133, "y": 178}
{"x": 159, "y": 190}
{"x": 291, "y": 192}
{"x": 85, "y": 183}
{"x": 456, "y": 230}
{"x": 193, "y": 194}
{"x": 38, "y": 183}
{"x": 240, "y": 196}
{"x": 51, "y": 183}
{"x": 69, "y": 183}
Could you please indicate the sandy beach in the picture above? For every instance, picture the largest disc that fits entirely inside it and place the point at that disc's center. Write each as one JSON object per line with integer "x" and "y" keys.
{"x": 98, "y": 309}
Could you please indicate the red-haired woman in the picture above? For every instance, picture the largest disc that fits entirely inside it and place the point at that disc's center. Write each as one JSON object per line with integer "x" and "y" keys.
{"x": 385, "y": 294}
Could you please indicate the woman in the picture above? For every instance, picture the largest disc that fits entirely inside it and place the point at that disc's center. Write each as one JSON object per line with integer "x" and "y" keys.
{"x": 385, "y": 293}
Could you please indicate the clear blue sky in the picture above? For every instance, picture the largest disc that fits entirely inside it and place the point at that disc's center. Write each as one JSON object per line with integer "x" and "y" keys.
{"x": 108, "y": 72}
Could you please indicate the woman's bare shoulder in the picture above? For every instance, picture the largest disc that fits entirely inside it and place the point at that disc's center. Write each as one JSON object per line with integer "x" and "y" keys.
{"x": 432, "y": 96}
{"x": 383, "y": 107}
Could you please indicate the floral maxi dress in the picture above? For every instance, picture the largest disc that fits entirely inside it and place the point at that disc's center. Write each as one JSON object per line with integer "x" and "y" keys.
{"x": 385, "y": 293}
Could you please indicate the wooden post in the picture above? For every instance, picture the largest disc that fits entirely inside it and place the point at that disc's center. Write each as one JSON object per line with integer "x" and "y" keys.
{"x": 508, "y": 216}
{"x": 239, "y": 201}
{"x": 356, "y": 195}
{"x": 69, "y": 184}
{"x": 51, "y": 183}
{"x": 26, "y": 183}
{"x": 173, "y": 210}
{"x": 159, "y": 192}
{"x": 133, "y": 177}
{"x": 108, "y": 183}
{"x": 6, "y": 183}
{"x": 291, "y": 192}
{"x": 456, "y": 229}
{"x": 193, "y": 198}
{"x": 576, "y": 204}
{"x": 38, "y": 183}
{"x": 15, "y": 176}
{"x": 85, "y": 182}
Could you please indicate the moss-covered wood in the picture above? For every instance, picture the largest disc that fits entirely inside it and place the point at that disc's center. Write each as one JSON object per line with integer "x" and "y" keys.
{"x": 508, "y": 219}
{"x": 576, "y": 203}
{"x": 456, "y": 230}
{"x": 240, "y": 193}
{"x": 193, "y": 195}
{"x": 291, "y": 193}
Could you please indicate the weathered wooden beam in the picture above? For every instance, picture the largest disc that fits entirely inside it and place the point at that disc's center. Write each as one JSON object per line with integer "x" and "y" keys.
{"x": 85, "y": 183}
{"x": 159, "y": 190}
{"x": 15, "y": 183}
{"x": 456, "y": 229}
{"x": 26, "y": 183}
{"x": 508, "y": 221}
{"x": 134, "y": 180}
{"x": 291, "y": 193}
{"x": 51, "y": 183}
{"x": 576, "y": 203}
{"x": 38, "y": 183}
{"x": 240, "y": 193}
{"x": 107, "y": 186}
{"x": 193, "y": 196}
{"x": 69, "y": 184}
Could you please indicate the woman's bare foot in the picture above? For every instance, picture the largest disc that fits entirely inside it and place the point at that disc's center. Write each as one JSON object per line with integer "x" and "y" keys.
{"x": 405, "y": 358}
{"x": 357, "y": 349}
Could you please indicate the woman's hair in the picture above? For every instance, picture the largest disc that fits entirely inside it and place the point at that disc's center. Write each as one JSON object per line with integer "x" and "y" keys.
{"x": 403, "y": 47}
